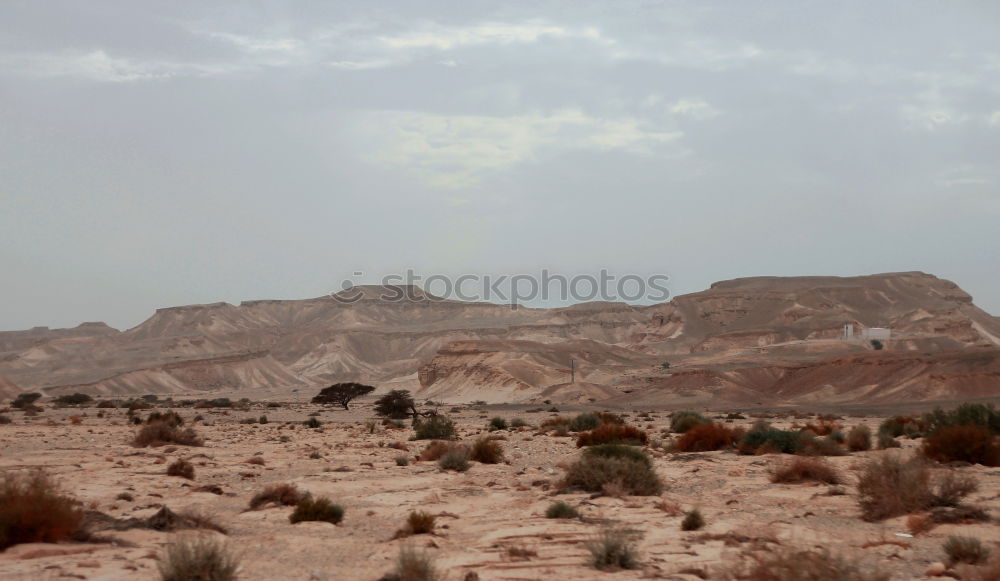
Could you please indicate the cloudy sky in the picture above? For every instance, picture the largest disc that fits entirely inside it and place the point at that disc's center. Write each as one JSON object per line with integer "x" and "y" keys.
{"x": 165, "y": 153}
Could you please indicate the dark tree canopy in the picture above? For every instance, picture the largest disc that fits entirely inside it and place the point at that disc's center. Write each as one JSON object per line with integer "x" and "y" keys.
{"x": 397, "y": 404}
{"x": 26, "y": 400}
{"x": 74, "y": 399}
{"x": 342, "y": 393}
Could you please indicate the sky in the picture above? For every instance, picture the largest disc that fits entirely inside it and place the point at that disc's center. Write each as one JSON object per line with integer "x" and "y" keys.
{"x": 156, "y": 154}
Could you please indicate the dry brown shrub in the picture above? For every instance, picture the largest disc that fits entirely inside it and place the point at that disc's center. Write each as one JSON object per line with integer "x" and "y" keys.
{"x": 181, "y": 468}
{"x": 161, "y": 433}
{"x": 803, "y": 469}
{"x": 972, "y": 444}
{"x": 612, "y": 434}
{"x": 889, "y": 486}
{"x": 705, "y": 437}
{"x": 487, "y": 451}
{"x": 34, "y": 510}
{"x": 255, "y": 460}
{"x": 283, "y": 494}
{"x": 435, "y": 450}
{"x": 859, "y": 438}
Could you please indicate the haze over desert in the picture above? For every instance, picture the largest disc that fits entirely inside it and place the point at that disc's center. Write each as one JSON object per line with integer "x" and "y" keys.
{"x": 499, "y": 291}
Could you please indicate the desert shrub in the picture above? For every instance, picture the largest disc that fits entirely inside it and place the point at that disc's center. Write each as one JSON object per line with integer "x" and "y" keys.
{"x": 497, "y": 423}
{"x": 889, "y": 486}
{"x": 487, "y": 451}
{"x": 810, "y": 445}
{"x": 902, "y": 425}
{"x": 561, "y": 510}
{"x": 171, "y": 418}
{"x": 965, "y": 550}
{"x": 397, "y": 404}
{"x": 196, "y": 557}
{"x": 4, "y": 419}
{"x": 612, "y": 434}
{"x": 402, "y": 460}
{"x": 989, "y": 571}
{"x": 618, "y": 451}
{"x": 704, "y": 438}
{"x": 968, "y": 414}
{"x": 518, "y": 423}
{"x": 74, "y": 399}
{"x": 435, "y": 428}
{"x": 951, "y": 487}
{"x": 762, "y": 438}
{"x": 555, "y": 423}
{"x": 585, "y": 421}
{"x": 593, "y": 471}
{"x": 318, "y": 508}
{"x": 420, "y": 523}
{"x": 859, "y": 438}
{"x": 283, "y": 494}
{"x": 683, "y": 421}
{"x": 613, "y": 549}
{"x": 256, "y": 460}
{"x": 803, "y": 469}
{"x": 25, "y": 400}
{"x": 161, "y": 433}
{"x": 34, "y": 510}
{"x": 823, "y": 428}
{"x": 312, "y": 423}
{"x": 455, "y": 458}
{"x": 964, "y": 443}
{"x": 413, "y": 565}
{"x": 434, "y": 450}
{"x": 790, "y": 564}
{"x": 886, "y": 441}
{"x": 693, "y": 520}
{"x": 105, "y": 404}
{"x": 182, "y": 468}
{"x": 262, "y": 420}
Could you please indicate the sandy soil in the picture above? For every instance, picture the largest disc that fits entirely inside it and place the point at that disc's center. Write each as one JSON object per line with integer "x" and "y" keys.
{"x": 481, "y": 513}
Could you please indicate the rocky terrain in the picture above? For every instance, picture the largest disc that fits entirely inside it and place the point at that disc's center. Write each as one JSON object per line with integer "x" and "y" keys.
{"x": 764, "y": 340}
{"x": 490, "y": 520}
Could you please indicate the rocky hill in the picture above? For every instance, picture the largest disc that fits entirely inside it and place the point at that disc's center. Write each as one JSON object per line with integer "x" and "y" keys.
{"x": 762, "y": 339}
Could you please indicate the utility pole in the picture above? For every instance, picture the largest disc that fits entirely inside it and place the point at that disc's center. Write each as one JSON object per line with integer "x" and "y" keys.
{"x": 572, "y": 370}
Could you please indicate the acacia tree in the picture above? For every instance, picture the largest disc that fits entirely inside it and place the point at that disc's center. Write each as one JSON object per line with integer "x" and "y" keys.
{"x": 342, "y": 393}
{"x": 397, "y": 404}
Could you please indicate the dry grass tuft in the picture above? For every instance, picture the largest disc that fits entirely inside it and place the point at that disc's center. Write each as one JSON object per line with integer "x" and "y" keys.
{"x": 613, "y": 549}
{"x": 413, "y": 565}
{"x": 967, "y": 550}
{"x": 192, "y": 557}
{"x": 802, "y": 565}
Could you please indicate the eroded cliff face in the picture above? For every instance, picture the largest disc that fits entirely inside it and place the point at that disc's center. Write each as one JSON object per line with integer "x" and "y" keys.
{"x": 762, "y": 338}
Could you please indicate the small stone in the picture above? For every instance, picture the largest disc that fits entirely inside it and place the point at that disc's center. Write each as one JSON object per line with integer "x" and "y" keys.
{"x": 936, "y": 569}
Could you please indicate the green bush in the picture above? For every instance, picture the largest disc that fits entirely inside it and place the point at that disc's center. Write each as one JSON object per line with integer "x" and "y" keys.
{"x": 969, "y": 414}
{"x": 561, "y": 510}
{"x": 497, "y": 423}
{"x": 592, "y": 472}
{"x": 763, "y": 438}
{"x": 683, "y": 421}
{"x": 435, "y": 428}
{"x": 456, "y": 458}
{"x": 74, "y": 399}
{"x": 584, "y": 421}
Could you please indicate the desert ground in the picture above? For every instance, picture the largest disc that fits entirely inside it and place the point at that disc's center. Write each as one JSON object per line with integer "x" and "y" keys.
{"x": 490, "y": 520}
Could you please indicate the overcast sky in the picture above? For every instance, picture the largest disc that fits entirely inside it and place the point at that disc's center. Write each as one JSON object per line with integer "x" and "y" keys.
{"x": 164, "y": 153}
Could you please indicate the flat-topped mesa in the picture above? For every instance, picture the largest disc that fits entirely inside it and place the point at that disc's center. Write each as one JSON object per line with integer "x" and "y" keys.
{"x": 386, "y": 293}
